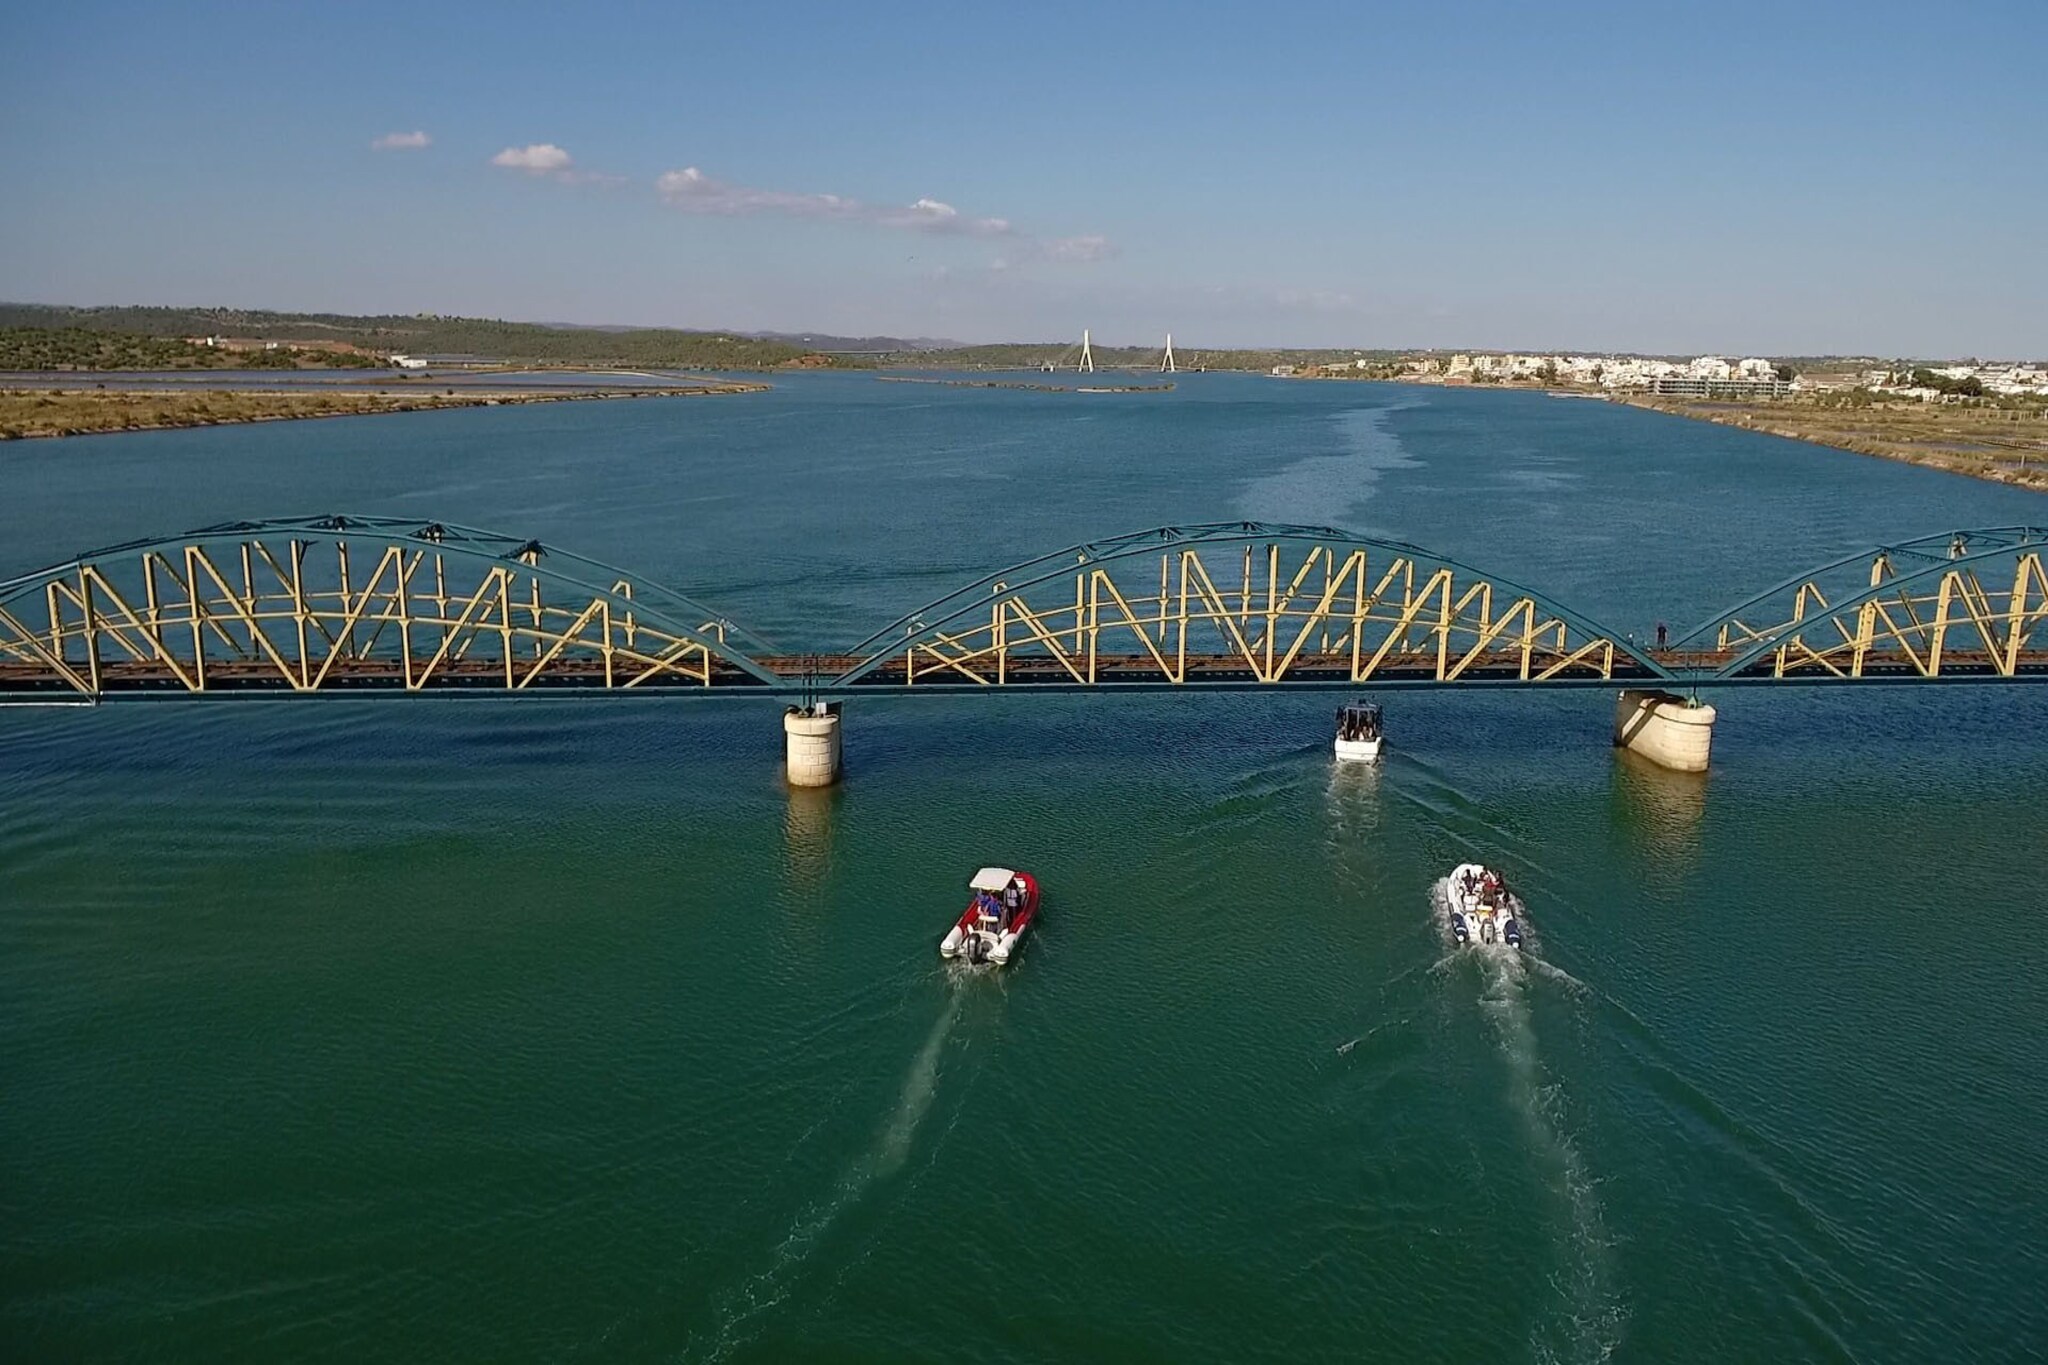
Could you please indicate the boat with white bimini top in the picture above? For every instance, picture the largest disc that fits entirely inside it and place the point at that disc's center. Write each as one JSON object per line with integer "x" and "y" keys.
{"x": 1359, "y": 732}
{"x": 1004, "y": 904}
{"x": 1480, "y": 908}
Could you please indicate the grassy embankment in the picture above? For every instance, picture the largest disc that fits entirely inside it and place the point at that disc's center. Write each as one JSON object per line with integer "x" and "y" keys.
{"x": 71, "y": 412}
{"x": 79, "y": 341}
{"x": 79, "y": 348}
{"x": 2005, "y": 442}
{"x": 516, "y": 343}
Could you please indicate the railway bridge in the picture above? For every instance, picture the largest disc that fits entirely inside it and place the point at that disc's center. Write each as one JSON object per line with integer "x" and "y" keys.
{"x": 380, "y": 606}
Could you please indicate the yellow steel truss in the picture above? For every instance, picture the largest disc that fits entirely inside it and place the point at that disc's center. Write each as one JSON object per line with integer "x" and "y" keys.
{"x": 1923, "y": 619}
{"x": 1333, "y": 612}
{"x": 299, "y": 615}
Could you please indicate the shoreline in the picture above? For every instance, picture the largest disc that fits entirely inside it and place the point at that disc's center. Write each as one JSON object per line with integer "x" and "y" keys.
{"x": 1972, "y": 442}
{"x": 52, "y": 413}
{"x": 2031, "y": 472}
{"x": 1023, "y": 384}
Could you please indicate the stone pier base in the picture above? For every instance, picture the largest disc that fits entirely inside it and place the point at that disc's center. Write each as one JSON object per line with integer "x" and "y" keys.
{"x": 810, "y": 742}
{"x": 1665, "y": 728}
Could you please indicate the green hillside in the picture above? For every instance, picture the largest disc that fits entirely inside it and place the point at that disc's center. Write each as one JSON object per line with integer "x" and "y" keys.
{"x": 76, "y": 348}
{"x": 425, "y": 334}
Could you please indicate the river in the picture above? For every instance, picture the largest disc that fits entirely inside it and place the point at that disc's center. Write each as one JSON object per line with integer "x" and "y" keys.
{"x": 560, "y": 1029}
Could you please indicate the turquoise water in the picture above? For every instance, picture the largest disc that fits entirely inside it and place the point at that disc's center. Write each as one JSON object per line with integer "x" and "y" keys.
{"x": 452, "y": 1030}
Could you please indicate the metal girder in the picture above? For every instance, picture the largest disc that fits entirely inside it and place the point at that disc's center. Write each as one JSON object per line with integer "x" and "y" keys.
{"x": 1963, "y": 603}
{"x": 1241, "y": 602}
{"x": 314, "y": 604}
{"x": 374, "y": 605}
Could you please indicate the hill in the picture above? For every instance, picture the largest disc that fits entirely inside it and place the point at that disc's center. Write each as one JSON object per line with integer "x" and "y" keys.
{"x": 426, "y": 334}
{"x": 77, "y": 348}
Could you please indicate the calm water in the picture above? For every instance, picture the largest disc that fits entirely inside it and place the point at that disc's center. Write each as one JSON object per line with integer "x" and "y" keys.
{"x": 462, "y": 1030}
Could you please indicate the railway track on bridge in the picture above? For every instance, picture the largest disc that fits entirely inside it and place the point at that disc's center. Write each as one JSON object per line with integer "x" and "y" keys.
{"x": 803, "y": 673}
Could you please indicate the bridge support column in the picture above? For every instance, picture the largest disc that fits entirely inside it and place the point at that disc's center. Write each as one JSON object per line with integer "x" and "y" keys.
{"x": 1665, "y": 728}
{"x": 810, "y": 744}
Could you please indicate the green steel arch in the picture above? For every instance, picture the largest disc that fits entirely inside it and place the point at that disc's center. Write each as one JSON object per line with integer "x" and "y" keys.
{"x": 385, "y": 604}
{"x": 1265, "y": 604}
{"x": 1966, "y": 604}
{"x": 302, "y": 604}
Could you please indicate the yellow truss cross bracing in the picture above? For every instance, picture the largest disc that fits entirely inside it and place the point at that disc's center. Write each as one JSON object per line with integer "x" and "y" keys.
{"x": 301, "y": 614}
{"x": 318, "y": 605}
{"x": 1318, "y": 612}
{"x": 1908, "y": 623}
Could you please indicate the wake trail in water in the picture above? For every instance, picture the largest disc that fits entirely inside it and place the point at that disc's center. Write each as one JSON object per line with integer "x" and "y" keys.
{"x": 1590, "y": 1328}
{"x": 884, "y": 1157}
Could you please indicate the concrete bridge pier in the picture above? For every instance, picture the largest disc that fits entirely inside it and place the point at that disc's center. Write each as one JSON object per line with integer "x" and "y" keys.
{"x": 1669, "y": 730}
{"x": 810, "y": 744}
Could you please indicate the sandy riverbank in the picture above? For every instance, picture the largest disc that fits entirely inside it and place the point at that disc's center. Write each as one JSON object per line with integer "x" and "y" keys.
{"x": 1999, "y": 444}
{"x": 2002, "y": 445}
{"x": 28, "y": 413}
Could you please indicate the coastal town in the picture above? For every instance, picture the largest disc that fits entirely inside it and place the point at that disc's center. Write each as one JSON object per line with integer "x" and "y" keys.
{"x": 1706, "y": 376}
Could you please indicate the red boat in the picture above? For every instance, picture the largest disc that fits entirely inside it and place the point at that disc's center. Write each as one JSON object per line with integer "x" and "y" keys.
{"x": 1004, "y": 904}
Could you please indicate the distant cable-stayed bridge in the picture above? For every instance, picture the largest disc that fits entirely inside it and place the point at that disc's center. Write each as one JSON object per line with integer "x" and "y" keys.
{"x": 1081, "y": 358}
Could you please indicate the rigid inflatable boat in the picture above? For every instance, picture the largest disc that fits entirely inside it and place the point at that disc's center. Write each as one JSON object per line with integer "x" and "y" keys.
{"x": 1480, "y": 908}
{"x": 1002, "y": 908}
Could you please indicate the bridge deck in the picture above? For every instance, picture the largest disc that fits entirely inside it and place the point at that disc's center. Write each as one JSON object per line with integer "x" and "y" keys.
{"x": 130, "y": 677}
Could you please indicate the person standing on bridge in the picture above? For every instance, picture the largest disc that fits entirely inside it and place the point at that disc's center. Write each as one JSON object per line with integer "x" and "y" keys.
{"x": 1660, "y": 635}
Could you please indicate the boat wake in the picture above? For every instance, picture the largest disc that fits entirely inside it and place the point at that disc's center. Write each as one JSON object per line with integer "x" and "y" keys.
{"x": 1588, "y": 1327}
{"x": 882, "y": 1158}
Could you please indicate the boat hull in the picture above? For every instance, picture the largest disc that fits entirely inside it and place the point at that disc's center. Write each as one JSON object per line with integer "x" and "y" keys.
{"x": 1358, "y": 750}
{"x": 1472, "y": 919}
{"x": 973, "y": 940}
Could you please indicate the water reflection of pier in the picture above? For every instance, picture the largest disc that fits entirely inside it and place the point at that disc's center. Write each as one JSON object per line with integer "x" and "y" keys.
{"x": 1661, "y": 810}
{"x": 807, "y": 827}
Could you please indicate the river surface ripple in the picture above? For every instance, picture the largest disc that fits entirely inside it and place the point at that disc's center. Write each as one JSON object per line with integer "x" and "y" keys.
{"x": 473, "y": 1030}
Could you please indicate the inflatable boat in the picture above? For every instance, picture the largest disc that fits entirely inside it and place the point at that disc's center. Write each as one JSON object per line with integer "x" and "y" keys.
{"x": 1002, "y": 908}
{"x": 1480, "y": 908}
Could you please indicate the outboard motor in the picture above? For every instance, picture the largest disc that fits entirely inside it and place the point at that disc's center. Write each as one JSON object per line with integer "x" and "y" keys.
{"x": 1458, "y": 929}
{"x": 1486, "y": 928}
{"x": 1511, "y": 931}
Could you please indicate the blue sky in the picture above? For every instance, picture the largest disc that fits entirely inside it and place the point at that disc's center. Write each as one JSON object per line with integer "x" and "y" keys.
{"x": 1779, "y": 180}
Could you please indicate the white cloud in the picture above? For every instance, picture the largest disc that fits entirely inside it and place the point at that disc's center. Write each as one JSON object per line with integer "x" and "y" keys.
{"x": 692, "y": 191}
{"x": 401, "y": 142}
{"x": 942, "y": 219}
{"x": 539, "y": 158}
{"x": 1092, "y": 247}
{"x": 1064, "y": 250}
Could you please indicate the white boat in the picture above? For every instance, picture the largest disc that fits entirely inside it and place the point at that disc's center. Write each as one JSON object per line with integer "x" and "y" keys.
{"x": 1002, "y": 908}
{"x": 1480, "y": 908}
{"x": 1359, "y": 733}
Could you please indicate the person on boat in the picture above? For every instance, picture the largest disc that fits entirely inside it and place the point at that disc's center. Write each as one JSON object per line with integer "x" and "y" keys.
{"x": 1013, "y": 901}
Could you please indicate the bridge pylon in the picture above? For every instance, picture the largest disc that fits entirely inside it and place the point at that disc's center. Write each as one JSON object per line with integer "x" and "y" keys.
{"x": 810, "y": 744}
